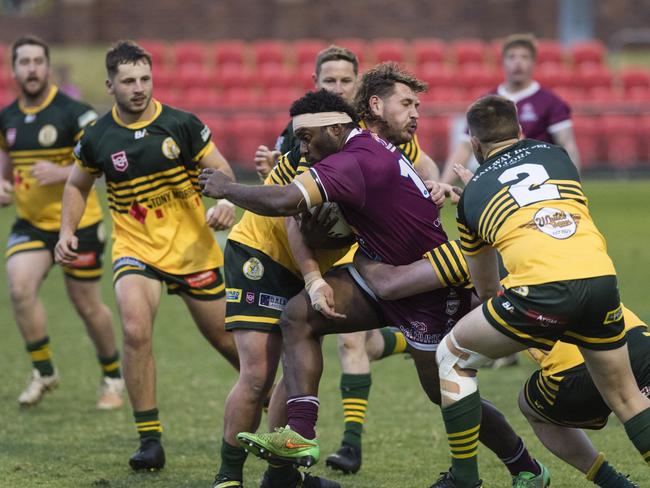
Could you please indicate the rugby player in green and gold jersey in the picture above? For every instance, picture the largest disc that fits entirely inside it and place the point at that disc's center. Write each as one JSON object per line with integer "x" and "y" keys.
{"x": 151, "y": 155}
{"x": 37, "y": 134}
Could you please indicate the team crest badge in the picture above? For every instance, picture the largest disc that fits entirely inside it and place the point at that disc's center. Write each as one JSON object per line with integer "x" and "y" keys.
{"x": 120, "y": 162}
{"x": 253, "y": 269}
{"x": 250, "y": 297}
{"x": 170, "y": 149}
{"x": 452, "y": 307}
{"x": 47, "y": 135}
{"x": 11, "y": 136}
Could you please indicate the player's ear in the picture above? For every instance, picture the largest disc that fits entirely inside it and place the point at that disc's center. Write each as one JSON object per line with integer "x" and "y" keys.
{"x": 521, "y": 133}
{"x": 376, "y": 105}
{"x": 109, "y": 86}
{"x": 476, "y": 148}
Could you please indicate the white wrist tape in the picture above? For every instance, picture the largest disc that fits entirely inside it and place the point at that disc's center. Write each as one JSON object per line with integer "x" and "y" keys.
{"x": 225, "y": 202}
{"x": 313, "y": 281}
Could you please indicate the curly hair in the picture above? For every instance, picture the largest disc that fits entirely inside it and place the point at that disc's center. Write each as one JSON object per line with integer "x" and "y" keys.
{"x": 380, "y": 81}
{"x": 322, "y": 101}
{"x": 125, "y": 52}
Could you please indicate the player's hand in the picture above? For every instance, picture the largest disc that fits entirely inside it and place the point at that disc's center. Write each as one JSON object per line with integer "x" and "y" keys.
{"x": 6, "y": 193}
{"x": 315, "y": 226}
{"x": 265, "y": 159}
{"x": 49, "y": 173}
{"x": 213, "y": 182}
{"x": 322, "y": 299}
{"x": 437, "y": 192}
{"x": 221, "y": 216}
{"x": 463, "y": 173}
{"x": 65, "y": 250}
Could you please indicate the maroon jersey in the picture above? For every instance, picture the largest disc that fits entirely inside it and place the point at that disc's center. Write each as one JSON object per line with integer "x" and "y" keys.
{"x": 541, "y": 112}
{"x": 391, "y": 212}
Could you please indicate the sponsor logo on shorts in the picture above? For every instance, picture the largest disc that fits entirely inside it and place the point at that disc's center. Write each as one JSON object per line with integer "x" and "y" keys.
{"x": 613, "y": 316}
{"x": 508, "y": 306}
{"x": 199, "y": 280}
{"x": 47, "y": 135}
{"x": 120, "y": 163}
{"x": 253, "y": 269}
{"x": 233, "y": 295}
{"x": 11, "y": 136}
{"x": 545, "y": 320}
{"x": 452, "y": 307}
{"x": 250, "y": 297}
{"x": 15, "y": 239}
{"x": 646, "y": 390}
{"x": 85, "y": 259}
{"x": 554, "y": 222}
{"x": 413, "y": 335}
{"x": 170, "y": 149}
{"x": 274, "y": 302}
{"x": 521, "y": 290}
{"x": 127, "y": 261}
{"x": 419, "y": 326}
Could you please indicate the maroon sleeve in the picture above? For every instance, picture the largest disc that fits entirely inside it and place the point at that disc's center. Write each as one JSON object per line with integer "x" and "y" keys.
{"x": 559, "y": 112}
{"x": 341, "y": 180}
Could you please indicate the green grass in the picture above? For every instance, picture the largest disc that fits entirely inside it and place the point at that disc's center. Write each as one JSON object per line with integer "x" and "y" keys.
{"x": 65, "y": 443}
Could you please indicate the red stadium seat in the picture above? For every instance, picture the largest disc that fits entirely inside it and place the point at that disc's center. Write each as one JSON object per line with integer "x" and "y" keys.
{"x": 276, "y": 124}
{"x": 638, "y": 94}
{"x": 279, "y": 98}
{"x": 164, "y": 78}
{"x": 229, "y": 53}
{"x": 306, "y": 51}
{"x": 632, "y": 78}
{"x": 157, "y": 49}
{"x": 621, "y": 143}
{"x": 549, "y": 51}
{"x": 428, "y": 51}
{"x": 269, "y": 52}
{"x": 469, "y": 51}
{"x": 436, "y": 76}
{"x": 271, "y": 76}
{"x": 194, "y": 99}
{"x": 218, "y": 127}
{"x": 189, "y": 53}
{"x": 232, "y": 76}
{"x": 471, "y": 76}
{"x": 389, "y": 50}
{"x": 168, "y": 96}
{"x": 589, "y": 52}
{"x": 433, "y": 135}
{"x": 553, "y": 76}
{"x": 304, "y": 78}
{"x": 357, "y": 46}
{"x": 585, "y": 129}
{"x": 604, "y": 94}
{"x": 445, "y": 94}
{"x": 247, "y": 133}
{"x": 240, "y": 98}
{"x": 590, "y": 76}
{"x": 643, "y": 129}
{"x": 193, "y": 76}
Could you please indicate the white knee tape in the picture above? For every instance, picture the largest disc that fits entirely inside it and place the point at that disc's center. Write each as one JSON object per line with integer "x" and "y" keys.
{"x": 452, "y": 384}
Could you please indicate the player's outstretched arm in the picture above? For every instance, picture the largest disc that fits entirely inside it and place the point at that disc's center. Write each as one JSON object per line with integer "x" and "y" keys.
{"x": 461, "y": 155}
{"x": 75, "y": 194}
{"x": 221, "y": 216}
{"x": 427, "y": 168}
{"x": 271, "y": 200}
{"x": 6, "y": 177}
{"x": 484, "y": 271}
{"x": 566, "y": 138}
{"x": 395, "y": 282}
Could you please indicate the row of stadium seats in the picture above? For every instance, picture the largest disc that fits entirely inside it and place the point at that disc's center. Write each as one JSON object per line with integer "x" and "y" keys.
{"x": 615, "y": 141}
{"x": 303, "y": 52}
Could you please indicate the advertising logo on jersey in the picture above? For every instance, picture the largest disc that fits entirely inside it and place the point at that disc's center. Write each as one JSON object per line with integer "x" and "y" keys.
{"x": 11, "y": 136}
{"x": 253, "y": 269}
{"x": 170, "y": 149}
{"x": 199, "y": 280}
{"x": 120, "y": 163}
{"x": 233, "y": 295}
{"x": 556, "y": 223}
{"x": 47, "y": 135}
{"x": 274, "y": 302}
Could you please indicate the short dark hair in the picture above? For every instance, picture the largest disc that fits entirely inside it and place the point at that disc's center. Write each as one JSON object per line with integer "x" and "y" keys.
{"x": 124, "y": 52}
{"x": 493, "y": 119}
{"x": 380, "y": 81}
{"x": 336, "y": 53}
{"x": 322, "y": 101}
{"x": 29, "y": 40}
{"x": 527, "y": 41}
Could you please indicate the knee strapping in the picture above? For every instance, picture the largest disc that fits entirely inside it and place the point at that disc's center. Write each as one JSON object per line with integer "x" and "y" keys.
{"x": 453, "y": 362}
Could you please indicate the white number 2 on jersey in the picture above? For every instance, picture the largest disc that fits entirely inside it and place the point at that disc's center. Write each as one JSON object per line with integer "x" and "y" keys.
{"x": 532, "y": 188}
{"x": 407, "y": 171}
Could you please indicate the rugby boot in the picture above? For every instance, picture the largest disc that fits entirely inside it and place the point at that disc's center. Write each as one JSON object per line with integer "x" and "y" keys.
{"x": 150, "y": 456}
{"x": 37, "y": 387}
{"x": 526, "y": 479}
{"x": 302, "y": 480}
{"x": 283, "y": 445}
{"x": 347, "y": 459}
{"x": 446, "y": 480}
{"x": 111, "y": 393}
{"x": 226, "y": 482}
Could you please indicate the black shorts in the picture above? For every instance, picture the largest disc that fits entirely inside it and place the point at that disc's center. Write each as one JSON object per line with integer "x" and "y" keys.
{"x": 203, "y": 285}
{"x": 585, "y": 312}
{"x": 569, "y": 398}
{"x": 257, "y": 290}
{"x": 25, "y": 237}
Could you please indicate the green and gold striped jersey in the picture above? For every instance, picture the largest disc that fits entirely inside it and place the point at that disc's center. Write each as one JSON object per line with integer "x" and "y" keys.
{"x": 151, "y": 169}
{"x": 527, "y": 202}
{"x": 47, "y": 132}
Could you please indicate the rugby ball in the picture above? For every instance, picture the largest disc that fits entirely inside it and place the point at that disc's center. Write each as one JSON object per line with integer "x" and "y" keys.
{"x": 341, "y": 228}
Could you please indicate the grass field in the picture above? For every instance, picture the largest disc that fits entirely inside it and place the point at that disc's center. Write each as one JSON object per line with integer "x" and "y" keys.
{"x": 65, "y": 442}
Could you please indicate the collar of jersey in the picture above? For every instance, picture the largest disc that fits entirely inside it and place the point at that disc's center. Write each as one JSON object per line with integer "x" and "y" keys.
{"x": 521, "y": 94}
{"x": 142, "y": 123}
{"x": 34, "y": 110}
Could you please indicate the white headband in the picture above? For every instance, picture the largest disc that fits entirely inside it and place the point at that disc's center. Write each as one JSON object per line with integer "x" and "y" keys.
{"x": 320, "y": 119}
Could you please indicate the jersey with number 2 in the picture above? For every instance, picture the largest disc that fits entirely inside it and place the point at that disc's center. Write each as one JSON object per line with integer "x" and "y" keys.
{"x": 527, "y": 202}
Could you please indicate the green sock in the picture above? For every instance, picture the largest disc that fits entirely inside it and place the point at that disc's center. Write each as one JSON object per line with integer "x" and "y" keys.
{"x": 148, "y": 424}
{"x": 355, "y": 389}
{"x": 394, "y": 342}
{"x": 282, "y": 474}
{"x": 232, "y": 461}
{"x": 462, "y": 422}
{"x": 41, "y": 355}
{"x": 111, "y": 365}
{"x": 638, "y": 430}
{"x": 608, "y": 477}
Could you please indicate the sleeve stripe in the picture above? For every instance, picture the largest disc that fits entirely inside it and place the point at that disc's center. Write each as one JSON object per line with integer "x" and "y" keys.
{"x": 207, "y": 149}
{"x": 500, "y": 219}
{"x": 441, "y": 269}
{"x": 319, "y": 184}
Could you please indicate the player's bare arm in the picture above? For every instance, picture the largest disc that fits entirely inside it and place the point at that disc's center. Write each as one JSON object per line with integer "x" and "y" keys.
{"x": 6, "y": 188}
{"x": 49, "y": 173}
{"x": 484, "y": 270}
{"x": 221, "y": 216}
{"x": 460, "y": 155}
{"x": 75, "y": 194}
{"x": 390, "y": 282}
{"x": 270, "y": 200}
{"x": 265, "y": 159}
{"x": 427, "y": 168}
{"x": 566, "y": 138}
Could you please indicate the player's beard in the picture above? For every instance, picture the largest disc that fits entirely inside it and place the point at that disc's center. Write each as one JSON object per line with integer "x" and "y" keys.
{"x": 34, "y": 94}
{"x": 132, "y": 109}
{"x": 391, "y": 134}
